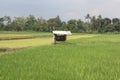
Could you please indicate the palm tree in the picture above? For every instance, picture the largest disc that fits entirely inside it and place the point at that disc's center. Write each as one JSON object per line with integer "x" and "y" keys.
{"x": 88, "y": 18}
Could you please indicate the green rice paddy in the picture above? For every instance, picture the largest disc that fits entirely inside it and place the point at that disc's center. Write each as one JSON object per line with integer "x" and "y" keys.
{"x": 82, "y": 57}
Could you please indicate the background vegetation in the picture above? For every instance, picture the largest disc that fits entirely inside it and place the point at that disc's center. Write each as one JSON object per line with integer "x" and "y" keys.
{"x": 92, "y": 24}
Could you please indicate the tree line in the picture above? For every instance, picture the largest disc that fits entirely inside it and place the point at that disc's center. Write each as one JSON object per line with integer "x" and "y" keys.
{"x": 92, "y": 24}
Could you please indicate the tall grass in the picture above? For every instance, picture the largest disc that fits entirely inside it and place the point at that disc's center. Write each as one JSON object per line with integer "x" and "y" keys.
{"x": 93, "y": 58}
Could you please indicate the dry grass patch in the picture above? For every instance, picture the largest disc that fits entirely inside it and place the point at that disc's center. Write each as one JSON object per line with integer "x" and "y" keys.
{"x": 35, "y": 41}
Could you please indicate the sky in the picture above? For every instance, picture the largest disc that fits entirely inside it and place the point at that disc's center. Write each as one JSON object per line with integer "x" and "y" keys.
{"x": 66, "y": 9}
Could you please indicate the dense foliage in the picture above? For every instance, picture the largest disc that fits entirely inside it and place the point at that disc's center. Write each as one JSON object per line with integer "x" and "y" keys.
{"x": 92, "y": 24}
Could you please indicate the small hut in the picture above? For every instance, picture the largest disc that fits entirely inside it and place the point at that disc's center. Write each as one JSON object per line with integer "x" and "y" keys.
{"x": 60, "y": 36}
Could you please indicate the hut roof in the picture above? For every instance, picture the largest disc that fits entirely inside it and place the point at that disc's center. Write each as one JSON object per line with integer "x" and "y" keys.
{"x": 62, "y": 32}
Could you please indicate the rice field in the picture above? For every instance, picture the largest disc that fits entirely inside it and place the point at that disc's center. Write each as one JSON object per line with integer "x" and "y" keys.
{"x": 30, "y": 40}
{"x": 21, "y": 35}
{"x": 82, "y": 57}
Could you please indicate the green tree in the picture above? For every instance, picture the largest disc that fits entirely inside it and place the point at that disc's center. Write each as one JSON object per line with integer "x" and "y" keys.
{"x": 116, "y": 24}
{"x": 30, "y": 22}
{"x": 109, "y": 28}
{"x": 54, "y": 23}
{"x": 63, "y": 26}
{"x": 97, "y": 24}
{"x": 40, "y": 25}
{"x": 88, "y": 22}
{"x": 7, "y": 19}
{"x": 7, "y": 23}
{"x": 88, "y": 18}
{"x": 72, "y": 25}
{"x": 80, "y": 26}
{"x": 115, "y": 21}
{"x": 94, "y": 23}
{"x": 1, "y": 24}
{"x": 104, "y": 23}
{"x": 18, "y": 24}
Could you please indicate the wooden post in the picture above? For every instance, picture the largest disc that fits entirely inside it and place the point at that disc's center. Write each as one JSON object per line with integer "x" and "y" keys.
{"x": 54, "y": 40}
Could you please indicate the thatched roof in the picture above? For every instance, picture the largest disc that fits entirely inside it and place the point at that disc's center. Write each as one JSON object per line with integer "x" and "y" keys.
{"x": 62, "y": 32}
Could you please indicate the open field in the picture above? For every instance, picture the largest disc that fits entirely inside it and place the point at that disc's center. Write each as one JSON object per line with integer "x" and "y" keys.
{"x": 22, "y": 35}
{"x": 22, "y": 40}
{"x": 94, "y": 57}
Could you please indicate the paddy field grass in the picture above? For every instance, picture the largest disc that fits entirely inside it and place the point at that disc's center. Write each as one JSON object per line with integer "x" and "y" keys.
{"x": 22, "y": 40}
{"x": 94, "y": 57}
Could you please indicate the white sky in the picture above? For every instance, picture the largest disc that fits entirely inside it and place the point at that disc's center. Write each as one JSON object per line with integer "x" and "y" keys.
{"x": 66, "y": 9}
